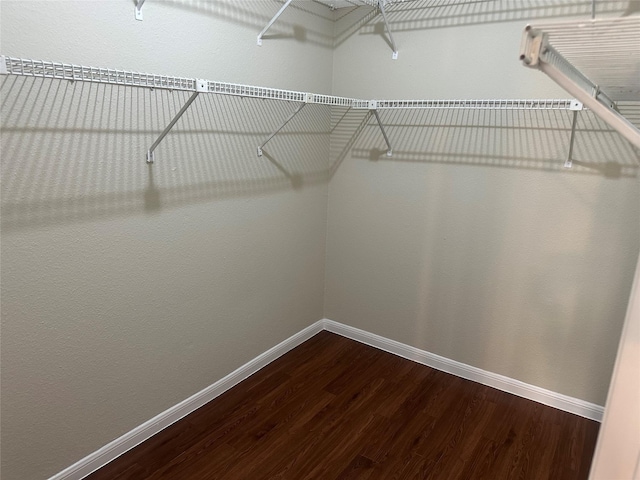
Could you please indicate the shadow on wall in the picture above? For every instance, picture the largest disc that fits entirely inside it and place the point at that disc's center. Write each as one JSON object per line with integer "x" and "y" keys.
{"x": 75, "y": 152}
{"x": 523, "y": 139}
{"x": 430, "y": 14}
{"x": 498, "y": 264}
{"x": 403, "y": 16}
{"x": 256, "y": 15}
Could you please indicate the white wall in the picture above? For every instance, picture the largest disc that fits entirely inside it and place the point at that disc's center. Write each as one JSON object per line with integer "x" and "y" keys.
{"x": 472, "y": 241}
{"x": 125, "y": 289}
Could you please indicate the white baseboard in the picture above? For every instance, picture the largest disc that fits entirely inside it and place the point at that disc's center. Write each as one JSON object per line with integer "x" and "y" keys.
{"x": 126, "y": 442}
{"x": 506, "y": 384}
{"x": 113, "y": 450}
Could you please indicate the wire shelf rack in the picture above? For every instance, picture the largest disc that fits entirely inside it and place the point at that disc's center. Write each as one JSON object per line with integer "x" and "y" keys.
{"x": 597, "y": 61}
{"x": 71, "y": 72}
{"x": 65, "y": 71}
{"x": 492, "y": 104}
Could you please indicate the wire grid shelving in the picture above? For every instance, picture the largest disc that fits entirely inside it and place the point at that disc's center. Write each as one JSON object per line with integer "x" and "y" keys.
{"x": 597, "y": 61}
{"x": 72, "y": 72}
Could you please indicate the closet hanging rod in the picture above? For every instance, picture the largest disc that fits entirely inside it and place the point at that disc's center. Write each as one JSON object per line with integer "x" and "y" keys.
{"x": 578, "y": 57}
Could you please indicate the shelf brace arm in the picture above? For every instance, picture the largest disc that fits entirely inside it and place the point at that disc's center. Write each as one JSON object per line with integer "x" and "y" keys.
{"x": 201, "y": 86}
{"x": 569, "y": 161}
{"x": 302, "y": 105}
{"x": 273, "y": 20}
{"x": 373, "y": 108}
{"x": 150, "y": 154}
{"x": 138, "y": 9}
{"x": 381, "y": 3}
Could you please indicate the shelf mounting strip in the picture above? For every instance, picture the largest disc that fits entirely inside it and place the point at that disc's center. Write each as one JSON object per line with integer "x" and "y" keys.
{"x": 70, "y": 72}
{"x": 609, "y": 49}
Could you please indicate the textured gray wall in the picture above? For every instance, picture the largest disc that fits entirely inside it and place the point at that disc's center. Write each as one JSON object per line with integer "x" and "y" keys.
{"x": 472, "y": 241}
{"x": 126, "y": 289}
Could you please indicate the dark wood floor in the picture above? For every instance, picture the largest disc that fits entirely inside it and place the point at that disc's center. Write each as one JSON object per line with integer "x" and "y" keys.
{"x": 336, "y": 409}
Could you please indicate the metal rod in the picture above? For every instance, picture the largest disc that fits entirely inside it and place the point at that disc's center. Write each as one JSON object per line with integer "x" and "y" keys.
{"x": 138, "y": 10}
{"x": 280, "y": 128}
{"x": 593, "y": 9}
{"x": 381, "y": 3}
{"x": 150, "y": 156}
{"x": 341, "y": 118}
{"x": 273, "y": 20}
{"x": 569, "y": 161}
{"x": 604, "y": 111}
{"x": 384, "y": 134}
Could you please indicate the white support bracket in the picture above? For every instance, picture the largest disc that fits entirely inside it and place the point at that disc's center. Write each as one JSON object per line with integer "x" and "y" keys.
{"x": 373, "y": 107}
{"x": 307, "y": 100}
{"x": 272, "y": 21}
{"x": 381, "y": 4}
{"x": 201, "y": 87}
{"x": 138, "y": 9}
{"x": 576, "y": 106}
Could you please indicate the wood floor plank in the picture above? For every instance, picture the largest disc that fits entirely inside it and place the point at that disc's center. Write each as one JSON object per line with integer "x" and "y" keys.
{"x": 333, "y": 408}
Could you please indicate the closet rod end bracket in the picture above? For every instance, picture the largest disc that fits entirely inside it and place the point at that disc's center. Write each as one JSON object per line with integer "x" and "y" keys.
{"x": 534, "y": 45}
{"x": 259, "y": 42}
{"x": 394, "y": 55}
{"x": 259, "y": 151}
{"x": 389, "y": 153}
{"x": 150, "y": 157}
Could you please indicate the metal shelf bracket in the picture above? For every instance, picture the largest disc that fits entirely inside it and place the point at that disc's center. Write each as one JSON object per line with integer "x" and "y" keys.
{"x": 307, "y": 100}
{"x": 576, "y": 106}
{"x": 201, "y": 87}
{"x": 373, "y": 107}
{"x": 273, "y": 20}
{"x": 138, "y": 9}
{"x": 381, "y": 4}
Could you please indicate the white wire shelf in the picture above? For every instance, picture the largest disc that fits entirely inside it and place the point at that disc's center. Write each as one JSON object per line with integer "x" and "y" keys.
{"x": 380, "y": 5}
{"x": 71, "y": 72}
{"x": 607, "y": 51}
{"x": 65, "y": 71}
{"x": 597, "y": 61}
{"x": 516, "y": 104}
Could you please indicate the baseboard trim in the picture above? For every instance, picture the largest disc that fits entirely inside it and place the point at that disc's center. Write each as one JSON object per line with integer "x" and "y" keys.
{"x": 129, "y": 440}
{"x": 126, "y": 442}
{"x": 506, "y": 384}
